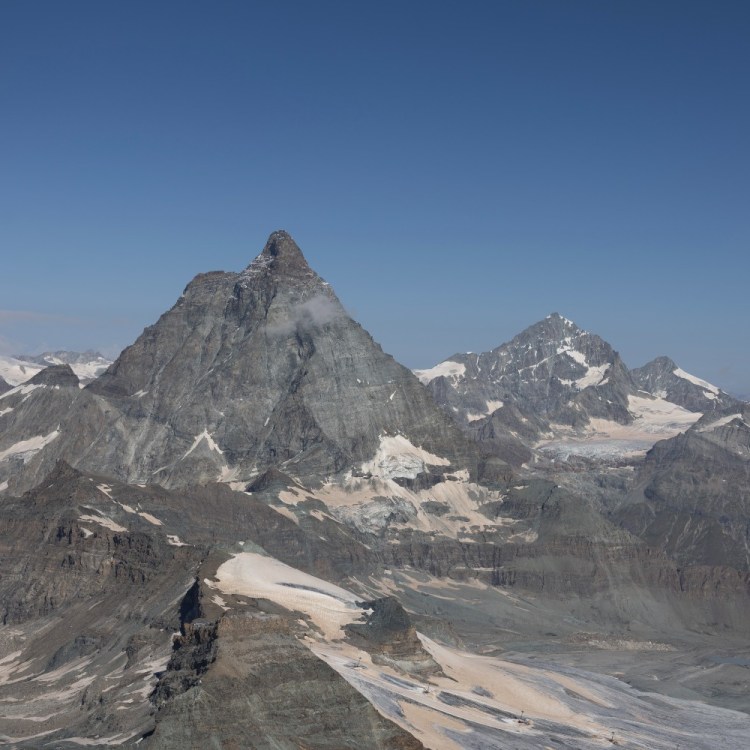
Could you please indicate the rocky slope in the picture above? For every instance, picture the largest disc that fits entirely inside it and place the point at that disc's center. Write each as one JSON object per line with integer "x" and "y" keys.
{"x": 692, "y": 494}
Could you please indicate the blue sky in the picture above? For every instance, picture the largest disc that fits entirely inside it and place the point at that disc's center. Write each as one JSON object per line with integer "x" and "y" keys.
{"x": 456, "y": 170}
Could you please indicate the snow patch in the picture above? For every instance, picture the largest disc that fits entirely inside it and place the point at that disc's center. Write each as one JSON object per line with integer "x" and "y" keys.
{"x": 447, "y": 369}
{"x": 254, "y": 575}
{"x": 576, "y": 356}
{"x": 22, "y": 390}
{"x": 696, "y": 381}
{"x": 720, "y": 423}
{"x": 151, "y": 519}
{"x": 596, "y": 375}
{"x": 205, "y": 435}
{"x": 103, "y": 521}
{"x": 28, "y": 448}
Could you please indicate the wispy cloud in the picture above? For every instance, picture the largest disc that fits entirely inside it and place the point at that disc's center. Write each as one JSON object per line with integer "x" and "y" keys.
{"x": 32, "y": 316}
{"x": 313, "y": 313}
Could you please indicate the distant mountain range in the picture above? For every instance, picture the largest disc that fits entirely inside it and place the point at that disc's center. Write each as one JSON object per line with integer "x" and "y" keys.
{"x": 22, "y": 367}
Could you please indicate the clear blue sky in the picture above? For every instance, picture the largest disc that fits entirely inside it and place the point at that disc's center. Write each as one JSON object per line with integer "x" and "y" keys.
{"x": 455, "y": 170}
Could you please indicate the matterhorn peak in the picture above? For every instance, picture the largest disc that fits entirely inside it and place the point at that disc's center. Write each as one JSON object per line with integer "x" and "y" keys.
{"x": 281, "y": 255}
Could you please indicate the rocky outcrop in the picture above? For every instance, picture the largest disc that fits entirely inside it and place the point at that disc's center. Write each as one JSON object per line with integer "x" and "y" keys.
{"x": 61, "y": 376}
{"x": 244, "y": 680}
{"x": 389, "y": 636}
{"x": 692, "y": 494}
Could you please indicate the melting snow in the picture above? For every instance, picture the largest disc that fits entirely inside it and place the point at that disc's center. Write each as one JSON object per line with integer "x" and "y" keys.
{"x": 595, "y": 376}
{"x": 719, "y": 423}
{"x": 203, "y": 436}
{"x": 397, "y": 457}
{"x": 27, "y": 448}
{"x": 103, "y": 521}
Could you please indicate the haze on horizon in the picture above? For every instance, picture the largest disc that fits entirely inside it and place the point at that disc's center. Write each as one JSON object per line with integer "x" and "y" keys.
{"x": 455, "y": 174}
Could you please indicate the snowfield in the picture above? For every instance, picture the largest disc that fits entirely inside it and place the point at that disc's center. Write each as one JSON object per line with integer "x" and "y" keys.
{"x": 654, "y": 419}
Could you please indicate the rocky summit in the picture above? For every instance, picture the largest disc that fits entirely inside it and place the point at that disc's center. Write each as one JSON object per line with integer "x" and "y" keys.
{"x": 255, "y": 525}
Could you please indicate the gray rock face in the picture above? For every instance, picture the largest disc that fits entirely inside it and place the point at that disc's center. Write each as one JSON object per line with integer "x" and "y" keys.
{"x": 664, "y": 378}
{"x": 4, "y": 386}
{"x": 87, "y": 591}
{"x": 244, "y": 680}
{"x": 42, "y": 421}
{"x": 692, "y": 495}
{"x": 390, "y": 637}
{"x": 61, "y": 376}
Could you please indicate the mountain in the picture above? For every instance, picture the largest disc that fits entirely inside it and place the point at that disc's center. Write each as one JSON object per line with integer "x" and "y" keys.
{"x": 247, "y": 372}
{"x": 552, "y": 369}
{"x": 557, "y": 388}
{"x": 663, "y": 378}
